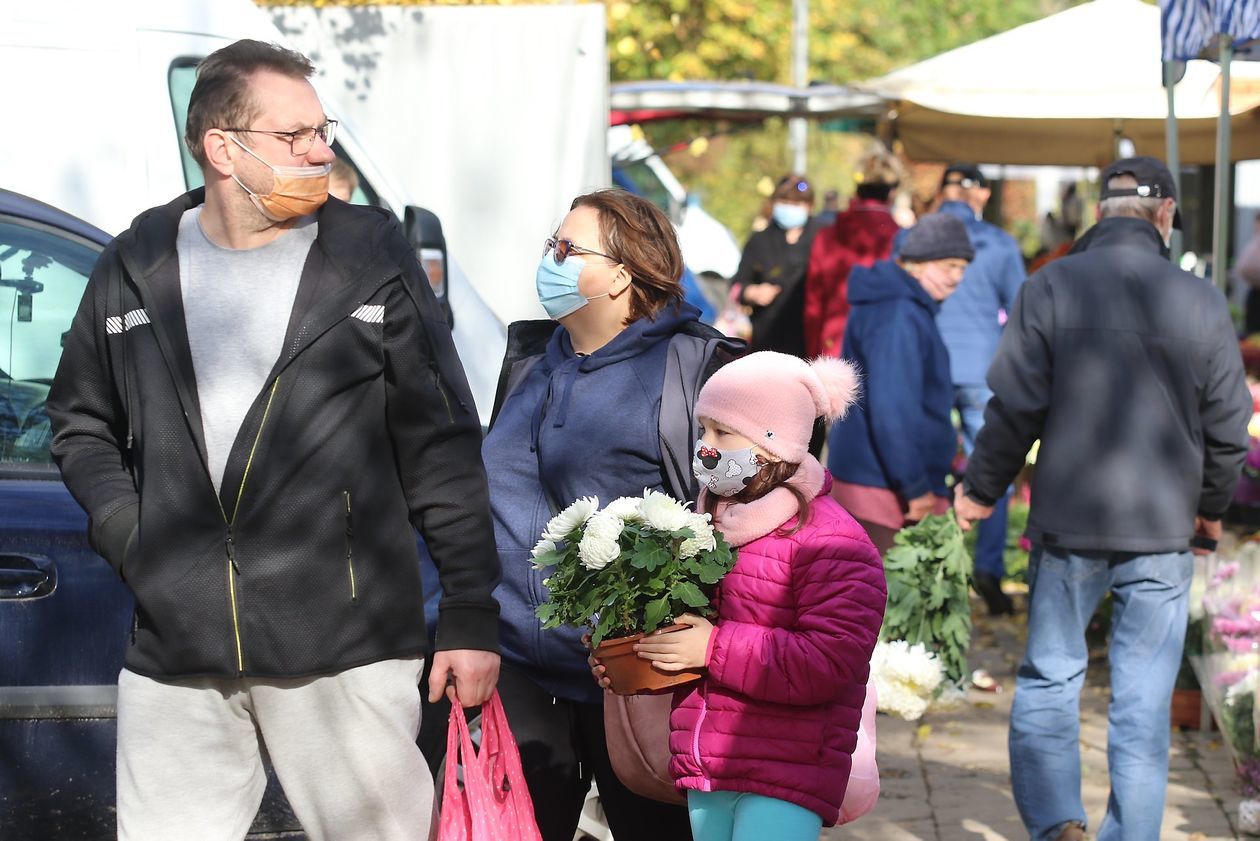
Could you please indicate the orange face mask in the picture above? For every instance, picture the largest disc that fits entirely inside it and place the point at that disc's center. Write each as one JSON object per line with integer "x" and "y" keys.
{"x": 295, "y": 190}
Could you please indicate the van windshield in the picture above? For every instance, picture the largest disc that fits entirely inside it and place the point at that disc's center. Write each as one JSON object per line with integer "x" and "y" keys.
{"x": 182, "y": 77}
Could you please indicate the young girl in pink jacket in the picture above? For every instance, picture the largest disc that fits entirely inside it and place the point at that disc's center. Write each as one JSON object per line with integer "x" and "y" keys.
{"x": 762, "y": 745}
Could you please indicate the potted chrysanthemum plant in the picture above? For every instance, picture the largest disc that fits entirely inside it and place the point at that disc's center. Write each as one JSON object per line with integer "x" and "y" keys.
{"x": 628, "y": 570}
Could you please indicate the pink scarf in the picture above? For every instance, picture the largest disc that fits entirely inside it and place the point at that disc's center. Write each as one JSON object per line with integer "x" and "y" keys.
{"x": 744, "y": 522}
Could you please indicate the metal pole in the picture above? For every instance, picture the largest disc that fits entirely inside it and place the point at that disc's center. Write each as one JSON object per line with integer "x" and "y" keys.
{"x": 1174, "y": 150}
{"x": 1224, "y": 196}
{"x": 798, "y": 127}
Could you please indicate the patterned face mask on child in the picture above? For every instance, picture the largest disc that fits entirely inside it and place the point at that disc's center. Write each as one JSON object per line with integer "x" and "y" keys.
{"x": 724, "y": 472}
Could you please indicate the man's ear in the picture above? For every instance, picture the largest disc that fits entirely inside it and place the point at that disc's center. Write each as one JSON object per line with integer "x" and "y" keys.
{"x": 216, "y": 145}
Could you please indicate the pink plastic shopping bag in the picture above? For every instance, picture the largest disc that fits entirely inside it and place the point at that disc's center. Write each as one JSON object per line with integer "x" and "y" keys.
{"x": 493, "y": 803}
{"x": 863, "y": 791}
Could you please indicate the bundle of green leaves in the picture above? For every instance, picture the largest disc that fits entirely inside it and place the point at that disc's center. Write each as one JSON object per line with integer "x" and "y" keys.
{"x": 630, "y": 568}
{"x": 929, "y": 571}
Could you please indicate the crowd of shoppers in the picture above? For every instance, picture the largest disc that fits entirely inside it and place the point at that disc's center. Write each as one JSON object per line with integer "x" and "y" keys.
{"x": 259, "y": 406}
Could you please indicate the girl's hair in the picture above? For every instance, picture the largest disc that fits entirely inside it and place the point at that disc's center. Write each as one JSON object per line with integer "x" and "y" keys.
{"x": 775, "y": 474}
{"x": 640, "y": 236}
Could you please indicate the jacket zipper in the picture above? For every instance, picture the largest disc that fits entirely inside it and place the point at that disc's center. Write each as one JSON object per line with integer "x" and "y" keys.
{"x": 354, "y": 592}
{"x": 695, "y": 735}
{"x": 437, "y": 383}
{"x": 234, "y": 570}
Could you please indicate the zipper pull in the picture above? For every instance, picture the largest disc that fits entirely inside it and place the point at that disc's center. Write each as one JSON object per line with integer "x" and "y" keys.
{"x": 231, "y": 551}
{"x": 349, "y": 517}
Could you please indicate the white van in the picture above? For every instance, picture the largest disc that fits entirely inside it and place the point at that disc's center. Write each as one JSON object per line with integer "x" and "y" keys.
{"x": 95, "y": 100}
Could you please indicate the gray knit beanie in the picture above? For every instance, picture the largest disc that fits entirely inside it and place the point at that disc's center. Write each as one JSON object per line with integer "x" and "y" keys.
{"x": 938, "y": 236}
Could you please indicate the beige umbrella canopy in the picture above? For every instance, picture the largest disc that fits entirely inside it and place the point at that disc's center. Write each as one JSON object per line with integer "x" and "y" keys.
{"x": 1063, "y": 90}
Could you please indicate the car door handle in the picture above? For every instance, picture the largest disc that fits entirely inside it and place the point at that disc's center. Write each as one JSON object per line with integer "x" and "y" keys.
{"x": 26, "y": 576}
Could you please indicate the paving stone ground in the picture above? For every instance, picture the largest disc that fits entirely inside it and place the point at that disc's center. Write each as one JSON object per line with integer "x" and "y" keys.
{"x": 947, "y": 777}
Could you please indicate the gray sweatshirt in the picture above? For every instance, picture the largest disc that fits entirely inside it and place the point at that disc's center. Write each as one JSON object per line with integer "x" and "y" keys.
{"x": 237, "y": 305}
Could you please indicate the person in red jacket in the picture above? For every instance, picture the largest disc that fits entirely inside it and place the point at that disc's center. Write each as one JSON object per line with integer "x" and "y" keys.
{"x": 763, "y": 745}
{"x": 860, "y": 236}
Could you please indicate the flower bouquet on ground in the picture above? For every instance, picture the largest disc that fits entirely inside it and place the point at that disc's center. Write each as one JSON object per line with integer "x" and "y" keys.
{"x": 628, "y": 570}
{"x": 922, "y": 656}
{"x": 1228, "y": 670}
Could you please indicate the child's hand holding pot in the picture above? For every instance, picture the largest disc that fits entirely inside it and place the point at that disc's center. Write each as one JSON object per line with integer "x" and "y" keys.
{"x": 678, "y": 650}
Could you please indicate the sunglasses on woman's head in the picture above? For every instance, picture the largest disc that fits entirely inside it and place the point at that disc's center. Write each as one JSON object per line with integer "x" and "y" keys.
{"x": 561, "y": 249}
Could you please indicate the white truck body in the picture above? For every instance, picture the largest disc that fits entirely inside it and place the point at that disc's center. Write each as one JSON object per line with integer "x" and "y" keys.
{"x": 96, "y": 92}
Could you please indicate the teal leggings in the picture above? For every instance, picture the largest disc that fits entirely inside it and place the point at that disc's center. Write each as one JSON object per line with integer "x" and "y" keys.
{"x": 735, "y": 816}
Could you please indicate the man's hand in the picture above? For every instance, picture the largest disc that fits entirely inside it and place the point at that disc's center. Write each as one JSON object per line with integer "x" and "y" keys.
{"x": 1207, "y": 530}
{"x": 921, "y": 506}
{"x": 474, "y": 675}
{"x": 761, "y": 294}
{"x": 967, "y": 510}
{"x": 678, "y": 650}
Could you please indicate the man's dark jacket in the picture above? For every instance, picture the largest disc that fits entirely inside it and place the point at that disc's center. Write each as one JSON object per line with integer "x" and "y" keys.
{"x": 1129, "y": 372}
{"x": 306, "y": 562}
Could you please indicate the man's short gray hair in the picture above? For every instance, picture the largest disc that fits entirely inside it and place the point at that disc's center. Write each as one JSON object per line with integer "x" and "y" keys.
{"x": 1136, "y": 206}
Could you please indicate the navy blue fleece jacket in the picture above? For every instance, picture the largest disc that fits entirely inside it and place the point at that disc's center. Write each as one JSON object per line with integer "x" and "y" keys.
{"x": 899, "y": 436}
{"x": 595, "y": 420}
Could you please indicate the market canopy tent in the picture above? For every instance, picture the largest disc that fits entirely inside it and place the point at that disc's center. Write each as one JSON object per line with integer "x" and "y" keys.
{"x": 640, "y": 102}
{"x": 1217, "y": 30}
{"x": 1063, "y": 90}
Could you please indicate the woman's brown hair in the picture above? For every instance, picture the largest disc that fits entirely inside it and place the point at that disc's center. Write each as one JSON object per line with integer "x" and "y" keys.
{"x": 639, "y": 235}
{"x": 774, "y": 474}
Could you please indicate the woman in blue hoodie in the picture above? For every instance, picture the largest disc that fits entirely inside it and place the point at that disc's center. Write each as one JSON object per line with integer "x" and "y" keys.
{"x": 584, "y": 410}
{"x": 891, "y": 456}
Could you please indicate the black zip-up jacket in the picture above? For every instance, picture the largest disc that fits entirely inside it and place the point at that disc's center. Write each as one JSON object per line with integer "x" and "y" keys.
{"x": 1129, "y": 372}
{"x": 306, "y": 562}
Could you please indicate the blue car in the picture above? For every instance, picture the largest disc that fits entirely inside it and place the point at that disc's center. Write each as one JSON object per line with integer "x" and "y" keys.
{"x": 64, "y": 613}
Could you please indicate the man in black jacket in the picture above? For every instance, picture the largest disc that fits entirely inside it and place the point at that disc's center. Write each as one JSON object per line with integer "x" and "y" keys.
{"x": 1128, "y": 371}
{"x": 258, "y": 400}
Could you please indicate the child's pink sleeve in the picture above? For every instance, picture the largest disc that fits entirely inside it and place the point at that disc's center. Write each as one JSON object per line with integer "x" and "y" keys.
{"x": 840, "y": 595}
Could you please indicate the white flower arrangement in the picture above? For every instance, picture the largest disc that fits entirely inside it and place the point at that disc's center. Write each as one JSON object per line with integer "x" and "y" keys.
{"x": 631, "y": 567}
{"x": 906, "y": 678}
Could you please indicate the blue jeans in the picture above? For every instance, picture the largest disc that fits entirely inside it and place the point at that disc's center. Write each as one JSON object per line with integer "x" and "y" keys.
{"x": 991, "y": 534}
{"x": 735, "y": 816}
{"x": 1150, "y": 594}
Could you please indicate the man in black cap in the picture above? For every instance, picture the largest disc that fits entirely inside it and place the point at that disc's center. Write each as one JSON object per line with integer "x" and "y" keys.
{"x": 1128, "y": 371}
{"x": 971, "y": 326}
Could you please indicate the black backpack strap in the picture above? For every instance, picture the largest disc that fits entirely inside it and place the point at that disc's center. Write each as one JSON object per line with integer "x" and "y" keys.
{"x": 526, "y": 343}
{"x": 694, "y": 354}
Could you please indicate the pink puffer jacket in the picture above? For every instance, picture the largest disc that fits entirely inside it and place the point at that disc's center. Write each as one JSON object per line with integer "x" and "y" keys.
{"x": 797, "y": 621}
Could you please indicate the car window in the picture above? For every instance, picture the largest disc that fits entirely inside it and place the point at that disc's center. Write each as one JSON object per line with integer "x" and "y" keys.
{"x": 43, "y": 272}
{"x": 639, "y": 178}
{"x": 182, "y": 77}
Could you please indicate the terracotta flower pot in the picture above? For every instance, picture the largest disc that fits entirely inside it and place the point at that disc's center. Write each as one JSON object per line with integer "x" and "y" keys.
{"x": 1186, "y": 708}
{"x": 631, "y": 674}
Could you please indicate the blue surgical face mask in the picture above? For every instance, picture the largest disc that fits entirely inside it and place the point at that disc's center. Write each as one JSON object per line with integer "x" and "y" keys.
{"x": 789, "y": 216}
{"x": 558, "y": 286}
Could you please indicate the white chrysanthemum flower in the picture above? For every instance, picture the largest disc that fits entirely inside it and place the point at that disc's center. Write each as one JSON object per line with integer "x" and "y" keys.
{"x": 625, "y": 508}
{"x": 906, "y": 677}
{"x": 541, "y": 548}
{"x": 662, "y": 512}
{"x": 597, "y": 551}
{"x": 704, "y": 541}
{"x": 561, "y": 525}
{"x": 604, "y": 525}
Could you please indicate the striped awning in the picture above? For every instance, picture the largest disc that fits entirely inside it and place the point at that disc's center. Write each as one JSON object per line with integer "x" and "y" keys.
{"x": 1191, "y": 28}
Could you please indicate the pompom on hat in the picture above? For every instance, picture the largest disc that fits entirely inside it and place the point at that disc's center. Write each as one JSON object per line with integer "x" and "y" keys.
{"x": 772, "y": 399}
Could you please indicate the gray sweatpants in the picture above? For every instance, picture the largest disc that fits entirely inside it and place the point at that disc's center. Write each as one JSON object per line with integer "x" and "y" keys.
{"x": 191, "y": 752}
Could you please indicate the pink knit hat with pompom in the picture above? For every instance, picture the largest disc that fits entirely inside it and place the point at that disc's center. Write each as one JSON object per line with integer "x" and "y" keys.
{"x": 772, "y": 399}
